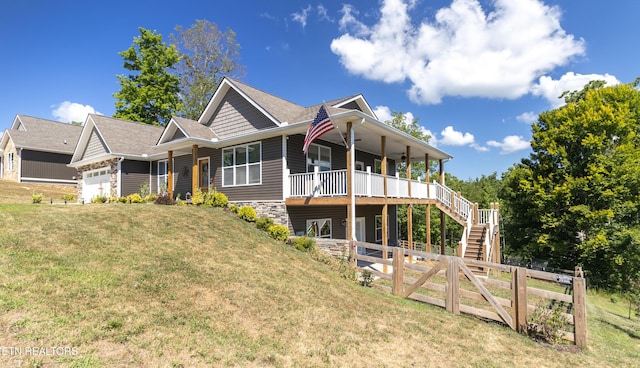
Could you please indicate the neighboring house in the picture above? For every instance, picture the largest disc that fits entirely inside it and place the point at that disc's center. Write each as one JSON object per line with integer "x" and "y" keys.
{"x": 115, "y": 157}
{"x": 248, "y": 144}
{"x": 38, "y": 151}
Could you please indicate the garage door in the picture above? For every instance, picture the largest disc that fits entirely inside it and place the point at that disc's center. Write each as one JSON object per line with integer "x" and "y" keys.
{"x": 95, "y": 183}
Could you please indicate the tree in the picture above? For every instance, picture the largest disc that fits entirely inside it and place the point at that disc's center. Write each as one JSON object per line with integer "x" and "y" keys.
{"x": 576, "y": 199}
{"x": 150, "y": 93}
{"x": 207, "y": 56}
{"x": 412, "y": 128}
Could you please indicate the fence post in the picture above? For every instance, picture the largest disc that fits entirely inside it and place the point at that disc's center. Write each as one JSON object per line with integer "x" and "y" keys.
{"x": 519, "y": 298}
{"x": 352, "y": 252}
{"x": 398, "y": 271}
{"x": 453, "y": 286}
{"x": 580, "y": 309}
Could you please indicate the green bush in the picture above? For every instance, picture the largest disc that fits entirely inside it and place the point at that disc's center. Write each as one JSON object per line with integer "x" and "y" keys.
{"x": 366, "y": 278}
{"x": 545, "y": 324}
{"x": 37, "y": 197}
{"x": 279, "y": 232}
{"x": 143, "y": 190}
{"x": 197, "y": 197}
{"x": 220, "y": 200}
{"x": 264, "y": 223}
{"x": 135, "y": 198}
{"x": 68, "y": 197}
{"x": 247, "y": 213}
{"x": 100, "y": 198}
{"x": 123, "y": 200}
{"x": 151, "y": 197}
{"x": 304, "y": 243}
{"x": 233, "y": 208}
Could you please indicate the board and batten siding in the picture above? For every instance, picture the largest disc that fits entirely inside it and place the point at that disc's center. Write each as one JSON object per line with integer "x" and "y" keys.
{"x": 46, "y": 165}
{"x": 95, "y": 146}
{"x": 236, "y": 116}
{"x": 132, "y": 175}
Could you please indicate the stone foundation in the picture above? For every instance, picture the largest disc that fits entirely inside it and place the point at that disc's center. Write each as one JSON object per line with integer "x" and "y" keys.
{"x": 275, "y": 210}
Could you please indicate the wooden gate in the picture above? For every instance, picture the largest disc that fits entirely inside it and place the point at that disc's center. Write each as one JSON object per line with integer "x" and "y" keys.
{"x": 508, "y": 295}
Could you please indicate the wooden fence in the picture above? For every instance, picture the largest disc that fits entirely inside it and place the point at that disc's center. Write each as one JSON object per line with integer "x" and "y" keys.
{"x": 509, "y": 295}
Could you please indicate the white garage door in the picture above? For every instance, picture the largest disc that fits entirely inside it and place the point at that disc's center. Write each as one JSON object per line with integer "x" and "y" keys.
{"x": 95, "y": 183}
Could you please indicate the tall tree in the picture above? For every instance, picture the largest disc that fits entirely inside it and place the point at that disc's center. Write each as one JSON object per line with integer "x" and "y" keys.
{"x": 207, "y": 56}
{"x": 149, "y": 94}
{"x": 412, "y": 128}
{"x": 576, "y": 199}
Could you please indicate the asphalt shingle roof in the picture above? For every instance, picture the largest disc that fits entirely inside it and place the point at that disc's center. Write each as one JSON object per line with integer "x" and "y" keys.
{"x": 45, "y": 135}
{"x": 127, "y": 137}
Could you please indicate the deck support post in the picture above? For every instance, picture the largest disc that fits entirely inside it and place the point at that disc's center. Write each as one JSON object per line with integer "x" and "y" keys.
{"x": 170, "y": 173}
{"x": 194, "y": 168}
{"x": 385, "y": 206}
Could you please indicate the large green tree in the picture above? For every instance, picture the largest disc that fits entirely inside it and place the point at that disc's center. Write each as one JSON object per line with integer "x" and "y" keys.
{"x": 400, "y": 122}
{"x": 576, "y": 199}
{"x": 149, "y": 93}
{"x": 207, "y": 56}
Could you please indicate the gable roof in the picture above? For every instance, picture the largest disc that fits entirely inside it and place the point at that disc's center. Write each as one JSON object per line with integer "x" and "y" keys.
{"x": 38, "y": 134}
{"x": 122, "y": 138}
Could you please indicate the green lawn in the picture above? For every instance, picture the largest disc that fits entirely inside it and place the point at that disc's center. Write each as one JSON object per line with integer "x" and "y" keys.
{"x": 122, "y": 285}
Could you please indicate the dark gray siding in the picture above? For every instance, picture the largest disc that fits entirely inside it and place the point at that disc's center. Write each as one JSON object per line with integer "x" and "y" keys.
{"x": 46, "y": 165}
{"x": 353, "y": 105}
{"x": 271, "y": 187}
{"x": 300, "y": 214}
{"x": 182, "y": 175}
{"x": 177, "y": 135}
{"x": 133, "y": 174}
{"x": 296, "y": 160}
{"x": 95, "y": 146}
{"x": 235, "y": 116}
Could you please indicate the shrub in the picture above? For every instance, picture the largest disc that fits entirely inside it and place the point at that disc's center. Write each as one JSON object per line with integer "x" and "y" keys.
{"x": 220, "y": 200}
{"x": 151, "y": 197}
{"x": 37, "y": 197}
{"x": 233, "y": 208}
{"x": 122, "y": 199}
{"x": 197, "y": 197}
{"x": 304, "y": 243}
{"x": 100, "y": 198}
{"x": 279, "y": 232}
{"x": 545, "y": 324}
{"x": 135, "y": 198}
{"x": 247, "y": 213}
{"x": 68, "y": 197}
{"x": 164, "y": 198}
{"x": 264, "y": 223}
{"x": 366, "y": 278}
{"x": 143, "y": 190}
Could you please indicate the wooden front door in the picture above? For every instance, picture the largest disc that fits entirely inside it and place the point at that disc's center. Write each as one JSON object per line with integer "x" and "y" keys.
{"x": 204, "y": 176}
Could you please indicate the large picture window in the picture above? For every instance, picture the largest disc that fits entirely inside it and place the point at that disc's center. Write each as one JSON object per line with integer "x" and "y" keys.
{"x": 319, "y": 228}
{"x": 318, "y": 156}
{"x": 242, "y": 165}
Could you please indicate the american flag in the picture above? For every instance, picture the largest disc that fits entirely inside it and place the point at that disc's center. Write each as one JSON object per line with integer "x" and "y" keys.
{"x": 320, "y": 125}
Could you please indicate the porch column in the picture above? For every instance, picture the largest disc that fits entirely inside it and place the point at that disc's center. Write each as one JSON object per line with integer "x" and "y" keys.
{"x": 194, "y": 169}
{"x": 428, "y": 206}
{"x": 351, "y": 216}
{"x": 443, "y": 227}
{"x": 170, "y": 173}
{"x": 409, "y": 206}
{"x": 385, "y": 206}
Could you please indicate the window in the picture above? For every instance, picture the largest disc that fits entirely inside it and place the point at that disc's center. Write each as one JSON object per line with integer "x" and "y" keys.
{"x": 242, "y": 165}
{"x": 318, "y": 156}
{"x": 205, "y": 176}
{"x": 379, "y": 228}
{"x": 377, "y": 166}
{"x": 359, "y": 166}
{"x": 163, "y": 178}
{"x": 10, "y": 161}
{"x": 320, "y": 228}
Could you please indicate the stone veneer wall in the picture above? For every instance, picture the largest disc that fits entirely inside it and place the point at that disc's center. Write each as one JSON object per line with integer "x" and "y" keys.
{"x": 113, "y": 182}
{"x": 275, "y": 210}
{"x": 10, "y": 175}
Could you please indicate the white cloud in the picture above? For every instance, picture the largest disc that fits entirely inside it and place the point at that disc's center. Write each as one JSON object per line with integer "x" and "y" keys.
{"x": 551, "y": 89}
{"x": 451, "y": 137}
{"x": 323, "y": 13}
{"x": 385, "y": 114}
{"x": 528, "y": 117}
{"x": 464, "y": 51}
{"x": 302, "y": 16}
{"x": 510, "y": 144}
{"x": 72, "y": 111}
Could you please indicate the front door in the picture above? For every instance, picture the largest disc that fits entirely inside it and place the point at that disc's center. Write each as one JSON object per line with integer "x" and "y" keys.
{"x": 203, "y": 175}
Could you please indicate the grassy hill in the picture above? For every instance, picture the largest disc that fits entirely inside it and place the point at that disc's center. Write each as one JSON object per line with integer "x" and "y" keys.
{"x": 157, "y": 286}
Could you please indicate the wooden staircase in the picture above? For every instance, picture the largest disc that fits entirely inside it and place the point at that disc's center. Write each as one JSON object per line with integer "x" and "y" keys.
{"x": 475, "y": 248}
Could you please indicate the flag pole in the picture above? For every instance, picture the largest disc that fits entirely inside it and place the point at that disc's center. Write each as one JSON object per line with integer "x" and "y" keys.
{"x": 335, "y": 125}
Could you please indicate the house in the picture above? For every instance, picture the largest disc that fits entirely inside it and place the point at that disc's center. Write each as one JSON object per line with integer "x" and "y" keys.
{"x": 38, "y": 150}
{"x": 248, "y": 144}
{"x": 114, "y": 157}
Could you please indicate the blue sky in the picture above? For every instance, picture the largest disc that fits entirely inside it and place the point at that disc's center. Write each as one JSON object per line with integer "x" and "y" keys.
{"x": 475, "y": 73}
